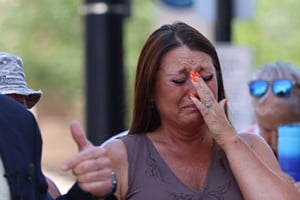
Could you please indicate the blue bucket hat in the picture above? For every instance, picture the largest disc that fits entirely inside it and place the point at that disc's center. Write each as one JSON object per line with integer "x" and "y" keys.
{"x": 12, "y": 79}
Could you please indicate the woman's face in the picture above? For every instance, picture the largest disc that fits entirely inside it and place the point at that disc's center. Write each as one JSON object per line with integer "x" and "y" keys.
{"x": 173, "y": 86}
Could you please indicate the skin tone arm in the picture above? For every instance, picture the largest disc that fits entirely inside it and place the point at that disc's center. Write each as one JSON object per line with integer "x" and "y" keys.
{"x": 251, "y": 160}
{"x": 298, "y": 185}
{"x": 91, "y": 166}
{"x": 118, "y": 154}
{"x": 256, "y": 169}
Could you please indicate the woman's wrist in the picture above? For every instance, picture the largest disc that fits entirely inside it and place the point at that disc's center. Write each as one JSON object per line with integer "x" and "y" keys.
{"x": 110, "y": 195}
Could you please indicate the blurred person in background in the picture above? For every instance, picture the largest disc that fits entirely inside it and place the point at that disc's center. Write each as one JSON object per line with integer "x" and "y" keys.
{"x": 13, "y": 81}
{"x": 21, "y": 145}
{"x": 21, "y": 176}
{"x": 275, "y": 91}
{"x": 13, "y": 84}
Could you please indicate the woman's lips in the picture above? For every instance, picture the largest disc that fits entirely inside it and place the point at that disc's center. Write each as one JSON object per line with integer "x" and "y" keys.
{"x": 190, "y": 107}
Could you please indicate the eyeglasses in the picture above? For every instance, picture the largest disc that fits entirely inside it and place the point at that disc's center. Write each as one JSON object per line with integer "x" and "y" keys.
{"x": 280, "y": 87}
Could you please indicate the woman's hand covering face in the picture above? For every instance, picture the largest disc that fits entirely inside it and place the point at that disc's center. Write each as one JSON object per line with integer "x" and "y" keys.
{"x": 213, "y": 112}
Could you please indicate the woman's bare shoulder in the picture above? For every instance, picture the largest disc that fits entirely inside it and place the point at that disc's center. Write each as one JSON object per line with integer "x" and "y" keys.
{"x": 115, "y": 147}
{"x": 117, "y": 152}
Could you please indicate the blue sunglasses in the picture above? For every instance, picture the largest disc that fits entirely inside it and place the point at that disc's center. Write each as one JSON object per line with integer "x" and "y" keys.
{"x": 280, "y": 87}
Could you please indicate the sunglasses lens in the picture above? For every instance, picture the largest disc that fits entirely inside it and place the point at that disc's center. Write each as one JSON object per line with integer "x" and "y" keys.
{"x": 258, "y": 88}
{"x": 282, "y": 88}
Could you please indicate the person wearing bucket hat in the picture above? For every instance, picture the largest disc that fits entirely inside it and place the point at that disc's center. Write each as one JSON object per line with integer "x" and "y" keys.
{"x": 13, "y": 82}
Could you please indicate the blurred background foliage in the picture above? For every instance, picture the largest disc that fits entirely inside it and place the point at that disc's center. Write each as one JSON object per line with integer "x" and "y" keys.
{"x": 273, "y": 33}
{"x": 48, "y": 35}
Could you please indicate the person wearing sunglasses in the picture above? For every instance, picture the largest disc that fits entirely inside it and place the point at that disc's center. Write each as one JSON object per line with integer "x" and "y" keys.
{"x": 275, "y": 91}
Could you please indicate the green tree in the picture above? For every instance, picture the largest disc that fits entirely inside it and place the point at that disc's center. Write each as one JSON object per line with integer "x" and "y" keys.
{"x": 273, "y": 33}
{"x": 48, "y": 35}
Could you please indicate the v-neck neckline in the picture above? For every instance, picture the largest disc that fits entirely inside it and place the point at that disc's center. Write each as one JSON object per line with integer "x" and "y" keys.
{"x": 171, "y": 173}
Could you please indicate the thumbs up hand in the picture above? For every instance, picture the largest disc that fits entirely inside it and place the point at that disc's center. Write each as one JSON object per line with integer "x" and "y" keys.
{"x": 91, "y": 166}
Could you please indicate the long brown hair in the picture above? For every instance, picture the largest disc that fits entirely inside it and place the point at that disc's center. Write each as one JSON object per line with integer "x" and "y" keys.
{"x": 145, "y": 116}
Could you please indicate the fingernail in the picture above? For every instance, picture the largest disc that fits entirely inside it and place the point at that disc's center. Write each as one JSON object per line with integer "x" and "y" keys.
{"x": 197, "y": 74}
{"x": 194, "y": 75}
{"x": 192, "y": 95}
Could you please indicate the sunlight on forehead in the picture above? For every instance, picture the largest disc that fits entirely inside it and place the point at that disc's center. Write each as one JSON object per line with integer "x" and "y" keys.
{"x": 182, "y": 60}
{"x": 187, "y": 69}
{"x": 196, "y": 61}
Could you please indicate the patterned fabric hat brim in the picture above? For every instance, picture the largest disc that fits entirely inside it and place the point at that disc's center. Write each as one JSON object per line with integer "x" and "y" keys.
{"x": 32, "y": 96}
{"x": 12, "y": 79}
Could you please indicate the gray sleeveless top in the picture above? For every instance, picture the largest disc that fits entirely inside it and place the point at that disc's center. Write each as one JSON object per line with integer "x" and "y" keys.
{"x": 149, "y": 177}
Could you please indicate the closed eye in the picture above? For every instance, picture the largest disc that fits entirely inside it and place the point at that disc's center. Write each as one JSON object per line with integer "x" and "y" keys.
{"x": 208, "y": 78}
{"x": 179, "y": 81}
{"x": 182, "y": 81}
